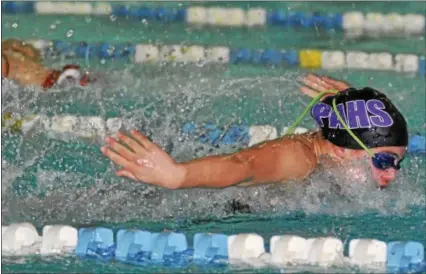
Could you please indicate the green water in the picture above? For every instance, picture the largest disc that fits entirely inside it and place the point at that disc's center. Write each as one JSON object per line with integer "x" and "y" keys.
{"x": 52, "y": 181}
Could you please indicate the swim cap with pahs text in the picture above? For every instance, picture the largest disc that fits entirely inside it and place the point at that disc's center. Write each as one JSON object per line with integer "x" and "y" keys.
{"x": 368, "y": 113}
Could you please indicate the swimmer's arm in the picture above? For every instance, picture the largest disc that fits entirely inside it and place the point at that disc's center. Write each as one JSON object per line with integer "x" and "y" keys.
{"x": 287, "y": 158}
{"x": 275, "y": 161}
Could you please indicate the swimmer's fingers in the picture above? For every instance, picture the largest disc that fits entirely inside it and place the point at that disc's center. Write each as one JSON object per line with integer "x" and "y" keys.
{"x": 338, "y": 85}
{"x": 126, "y": 173}
{"x": 143, "y": 140}
{"x": 120, "y": 149}
{"x": 132, "y": 143}
{"x": 317, "y": 82}
{"x": 142, "y": 175}
{"x": 311, "y": 89}
{"x": 120, "y": 160}
{"x": 309, "y": 92}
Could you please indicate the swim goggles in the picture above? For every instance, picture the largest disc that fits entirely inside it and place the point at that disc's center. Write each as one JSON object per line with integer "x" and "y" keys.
{"x": 381, "y": 160}
{"x": 385, "y": 160}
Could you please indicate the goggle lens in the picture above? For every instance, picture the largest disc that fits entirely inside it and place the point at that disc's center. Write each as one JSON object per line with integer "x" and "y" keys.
{"x": 384, "y": 161}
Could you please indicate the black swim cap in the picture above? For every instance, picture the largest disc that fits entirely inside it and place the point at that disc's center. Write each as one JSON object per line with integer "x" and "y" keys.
{"x": 368, "y": 113}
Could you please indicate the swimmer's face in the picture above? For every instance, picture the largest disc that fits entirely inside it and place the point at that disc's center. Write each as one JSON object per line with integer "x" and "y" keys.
{"x": 384, "y": 177}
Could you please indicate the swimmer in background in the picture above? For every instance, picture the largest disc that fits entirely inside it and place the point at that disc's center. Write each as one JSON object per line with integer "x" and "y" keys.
{"x": 21, "y": 62}
{"x": 375, "y": 131}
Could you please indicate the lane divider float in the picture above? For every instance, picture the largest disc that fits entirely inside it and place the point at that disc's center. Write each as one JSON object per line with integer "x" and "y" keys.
{"x": 351, "y": 23}
{"x": 410, "y": 64}
{"x": 172, "y": 249}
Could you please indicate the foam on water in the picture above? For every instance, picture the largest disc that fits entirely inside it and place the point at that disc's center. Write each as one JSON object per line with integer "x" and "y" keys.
{"x": 48, "y": 180}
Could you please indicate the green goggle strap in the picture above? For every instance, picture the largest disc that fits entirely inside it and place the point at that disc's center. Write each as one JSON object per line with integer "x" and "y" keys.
{"x": 309, "y": 107}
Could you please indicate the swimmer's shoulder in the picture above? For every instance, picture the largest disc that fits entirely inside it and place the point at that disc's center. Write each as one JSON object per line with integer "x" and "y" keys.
{"x": 310, "y": 139}
{"x": 299, "y": 154}
{"x": 314, "y": 140}
{"x": 309, "y": 145}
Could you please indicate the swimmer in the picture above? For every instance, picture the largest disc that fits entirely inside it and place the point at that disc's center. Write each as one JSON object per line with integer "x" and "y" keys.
{"x": 355, "y": 124}
{"x": 21, "y": 62}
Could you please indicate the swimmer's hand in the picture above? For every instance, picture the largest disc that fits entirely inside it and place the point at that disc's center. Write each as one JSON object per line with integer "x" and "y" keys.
{"x": 142, "y": 160}
{"x": 317, "y": 84}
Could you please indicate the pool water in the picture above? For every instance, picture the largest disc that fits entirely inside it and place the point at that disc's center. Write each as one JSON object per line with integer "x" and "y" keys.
{"x": 67, "y": 181}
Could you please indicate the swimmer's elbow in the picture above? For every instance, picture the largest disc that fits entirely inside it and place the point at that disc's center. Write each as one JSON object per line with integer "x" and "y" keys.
{"x": 244, "y": 170}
